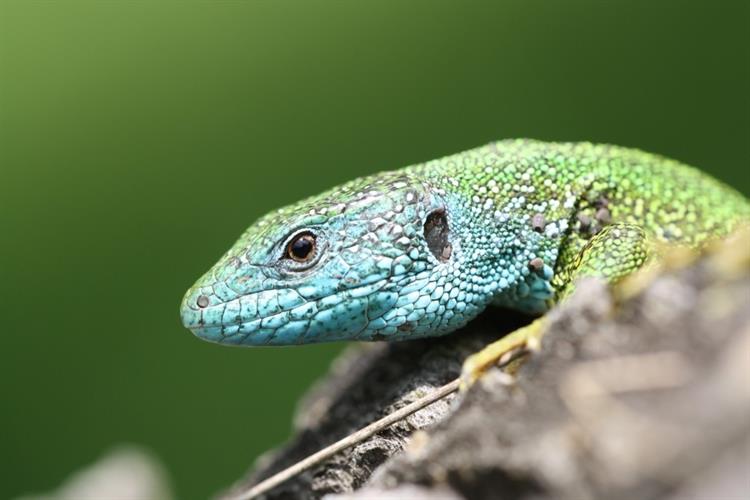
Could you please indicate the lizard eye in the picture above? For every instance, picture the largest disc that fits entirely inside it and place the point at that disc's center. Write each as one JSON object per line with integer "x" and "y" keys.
{"x": 301, "y": 248}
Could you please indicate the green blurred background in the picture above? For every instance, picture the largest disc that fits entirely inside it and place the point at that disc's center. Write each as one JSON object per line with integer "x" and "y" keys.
{"x": 137, "y": 140}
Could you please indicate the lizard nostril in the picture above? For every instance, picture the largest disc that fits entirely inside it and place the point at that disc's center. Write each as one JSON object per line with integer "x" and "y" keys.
{"x": 202, "y": 301}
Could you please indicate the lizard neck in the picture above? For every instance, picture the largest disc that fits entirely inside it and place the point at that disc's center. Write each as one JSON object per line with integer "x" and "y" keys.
{"x": 507, "y": 255}
{"x": 511, "y": 206}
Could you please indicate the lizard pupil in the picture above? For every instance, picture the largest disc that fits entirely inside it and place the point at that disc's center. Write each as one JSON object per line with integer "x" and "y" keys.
{"x": 301, "y": 248}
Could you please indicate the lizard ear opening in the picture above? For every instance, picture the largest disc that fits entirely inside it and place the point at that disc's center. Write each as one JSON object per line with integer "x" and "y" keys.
{"x": 436, "y": 233}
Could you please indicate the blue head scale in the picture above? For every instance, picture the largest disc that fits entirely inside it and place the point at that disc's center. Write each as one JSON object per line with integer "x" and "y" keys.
{"x": 372, "y": 259}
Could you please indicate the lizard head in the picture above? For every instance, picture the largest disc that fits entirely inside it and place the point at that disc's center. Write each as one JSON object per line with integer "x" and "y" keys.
{"x": 371, "y": 259}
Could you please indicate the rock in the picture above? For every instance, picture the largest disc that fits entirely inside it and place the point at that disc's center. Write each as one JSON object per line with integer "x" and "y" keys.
{"x": 639, "y": 393}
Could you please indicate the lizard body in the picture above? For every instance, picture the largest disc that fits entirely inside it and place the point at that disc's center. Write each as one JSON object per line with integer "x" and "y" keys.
{"x": 422, "y": 250}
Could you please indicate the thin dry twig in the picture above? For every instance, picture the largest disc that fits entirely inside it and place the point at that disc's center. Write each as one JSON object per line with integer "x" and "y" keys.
{"x": 350, "y": 440}
{"x": 357, "y": 437}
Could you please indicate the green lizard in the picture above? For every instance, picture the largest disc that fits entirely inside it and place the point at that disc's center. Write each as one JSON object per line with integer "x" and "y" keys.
{"x": 422, "y": 250}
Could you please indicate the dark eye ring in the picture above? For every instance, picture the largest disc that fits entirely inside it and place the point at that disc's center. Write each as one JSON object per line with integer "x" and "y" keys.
{"x": 301, "y": 248}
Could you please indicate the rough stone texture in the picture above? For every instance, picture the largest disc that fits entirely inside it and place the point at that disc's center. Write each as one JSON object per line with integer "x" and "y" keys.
{"x": 644, "y": 395}
{"x": 367, "y": 382}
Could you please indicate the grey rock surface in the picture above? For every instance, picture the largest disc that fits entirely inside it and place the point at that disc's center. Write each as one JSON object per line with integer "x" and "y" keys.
{"x": 642, "y": 395}
{"x": 367, "y": 382}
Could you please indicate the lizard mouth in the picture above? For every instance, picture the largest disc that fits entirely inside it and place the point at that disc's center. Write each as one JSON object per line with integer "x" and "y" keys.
{"x": 253, "y": 319}
{"x": 283, "y": 316}
{"x": 199, "y": 322}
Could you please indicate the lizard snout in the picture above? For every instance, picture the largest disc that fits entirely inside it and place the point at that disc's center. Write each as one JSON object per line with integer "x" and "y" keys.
{"x": 201, "y": 313}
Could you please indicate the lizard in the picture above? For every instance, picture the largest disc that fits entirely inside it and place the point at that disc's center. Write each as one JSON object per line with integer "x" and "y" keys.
{"x": 421, "y": 251}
